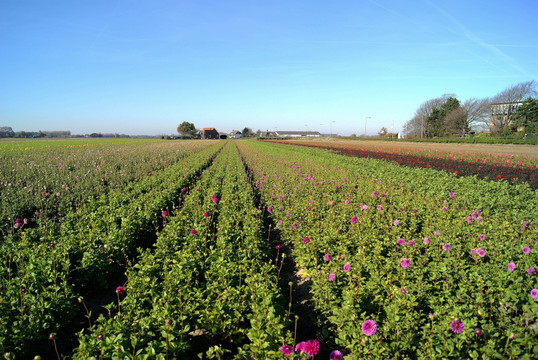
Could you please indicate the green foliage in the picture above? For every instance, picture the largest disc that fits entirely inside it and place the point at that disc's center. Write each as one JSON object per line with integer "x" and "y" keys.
{"x": 186, "y": 128}
{"x": 527, "y": 116}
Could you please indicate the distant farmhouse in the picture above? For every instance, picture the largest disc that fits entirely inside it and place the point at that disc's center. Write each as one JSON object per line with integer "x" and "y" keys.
{"x": 297, "y": 134}
{"x": 500, "y": 115}
{"x": 209, "y": 133}
{"x": 235, "y": 134}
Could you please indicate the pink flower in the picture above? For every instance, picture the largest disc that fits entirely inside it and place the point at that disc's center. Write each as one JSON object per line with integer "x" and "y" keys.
{"x": 347, "y": 268}
{"x": 306, "y": 239}
{"x": 336, "y": 355}
{"x": 446, "y": 247}
{"x": 451, "y": 194}
{"x": 400, "y": 241}
{"x": 327, "y": 257}
{"x": 369, "y": 327}
{"x": 164, "y": 213}
{"x": 120, "y": 290}
{"x": 534, "y": 293}
{"x": 332, "y": 277}
{"x": 286, "y": 350}
{"x": 270, "y": 209}
{"x": 426, "y": 241}
{"x": 481, "y": 252}
{"x": 526, "y": 250}
{"x": 410, "y": 243}
{"x": 511, "y": 267}
{"x": 193, "y": 232}
{"x": 310, "y": 347}
{"x": 530, "y": 271}
{"x": 365, "y": 207}
{"x": 405, "y": 263}
{"x": 395, "y": 223}
{"x": 206, "y": 214}
{"x": 215, "y": 199}
{"x": 456, "y": 326}
{"x": 482, "y": 237}
{"x": 403, "y": 291}
{"x": 354, "y": 219}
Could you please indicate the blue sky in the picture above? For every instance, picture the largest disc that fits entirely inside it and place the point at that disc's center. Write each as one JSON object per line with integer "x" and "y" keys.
{"x": 143, "y": 67}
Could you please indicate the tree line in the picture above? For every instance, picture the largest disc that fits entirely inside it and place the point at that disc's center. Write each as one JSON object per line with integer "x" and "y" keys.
{"x": 446, "y": 116}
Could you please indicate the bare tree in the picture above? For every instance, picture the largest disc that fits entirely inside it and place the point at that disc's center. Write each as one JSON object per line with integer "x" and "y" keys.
{"x": 416, "y": 125}
{"x": 518, "y": 92}
{"x": 457, "y": 122}
{"x": 478, "y": 112}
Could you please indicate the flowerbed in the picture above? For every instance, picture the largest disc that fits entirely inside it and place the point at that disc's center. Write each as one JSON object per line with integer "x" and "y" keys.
{"x": 485, "y": 166}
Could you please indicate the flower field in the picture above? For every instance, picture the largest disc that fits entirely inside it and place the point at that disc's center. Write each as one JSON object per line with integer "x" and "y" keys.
{"x": 255, "y": 250}
{"x": 485, "y": 165}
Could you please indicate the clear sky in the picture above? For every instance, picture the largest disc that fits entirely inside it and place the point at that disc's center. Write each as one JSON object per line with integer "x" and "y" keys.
{"x": 143, "y": 67}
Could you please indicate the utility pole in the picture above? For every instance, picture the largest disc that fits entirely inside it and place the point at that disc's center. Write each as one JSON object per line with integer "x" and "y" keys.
{"x": 366, "y": 118}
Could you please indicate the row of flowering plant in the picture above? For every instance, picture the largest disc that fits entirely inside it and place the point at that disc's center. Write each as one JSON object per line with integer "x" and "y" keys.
{"x": 406, "y": 262}
{"x": 207, "y": 288}
{"x": 60, "y": 177}
{"x": 45, "y": 269}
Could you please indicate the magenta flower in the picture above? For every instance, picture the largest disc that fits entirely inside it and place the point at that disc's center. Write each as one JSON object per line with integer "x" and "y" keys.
{"x": 534, "y": 293}
{"x": 530, "y": 271}
{"x": 206, "y": 214}
{"x": 410, "y": 243}
{"x": 451, "y": 194}
{"x": 477, "y": 331}
{"x": 395, "y": 223}
{"x": 369, "y": 327}
{"x": 336, "y": 355}
{"x": 278, "y": 247}
{"x": 286, "y": 350}
{"x": 310, "y": 347}
{"x": 443, "y": 209}
{"x": 446, "y": 247}
{"x": 365, "y": 207}
{"x": 481, "y": 252}
{"x": 120, "y": 290}
{"x": 400, "y": 241}
{"x": 270, "y": 209}
{"x": 379, "y": 207}
{"x": 347, "y": 268}
{"x": 403, "y": 291}
{"x": 354, "y": 219}
{"x": 332, "y": 277}
{"x": 164, "y": 213}
{"x": 426, "y": 241}
{"x": 456, "y": 326}
{"x": 215, "y": 199}
{"x": 306, "y": 239}
{"x": 327, "y": 257}
{"x": 482, "y": 237}
{"x": 526, "y": 250}
{"x": 193, "y": 232}
{"x": 511, "y": 267}
{"x": 405, "y": 263}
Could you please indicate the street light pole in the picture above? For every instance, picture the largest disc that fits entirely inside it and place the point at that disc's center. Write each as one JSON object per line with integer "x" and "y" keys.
{"x": 366, "y": 118}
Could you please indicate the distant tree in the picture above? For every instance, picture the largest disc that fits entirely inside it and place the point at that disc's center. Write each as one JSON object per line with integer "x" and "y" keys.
{"x": 186, "y": 128}
{"x": 417, "y": 124}
{"x": 527, "y": 116}
{"x": 383, "y": 131}
{"x": 514, "y": 93}
{"x": 517, "y": 92}
{"x": 353, "y": 135}
{"x": 478, "y": 113}
{"x": 6, "y": 132}
{"x": 456, "y": 122}
{"x": 247, "y": 132}
{"x": 435, "y": 123}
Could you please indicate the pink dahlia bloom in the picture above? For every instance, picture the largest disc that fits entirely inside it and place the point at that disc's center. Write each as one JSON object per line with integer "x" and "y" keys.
{"x": 369, "y": 327}
{"x": 457, "y": 326}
